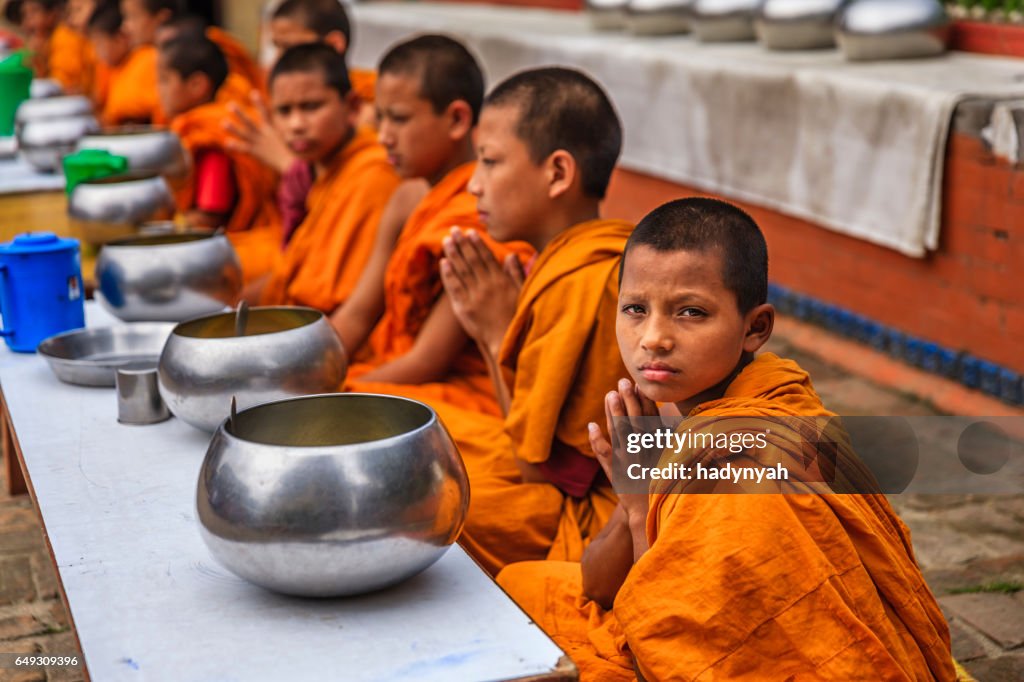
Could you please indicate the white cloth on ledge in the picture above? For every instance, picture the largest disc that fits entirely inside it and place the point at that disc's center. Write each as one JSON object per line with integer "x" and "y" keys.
{"x": 858, "y": 148}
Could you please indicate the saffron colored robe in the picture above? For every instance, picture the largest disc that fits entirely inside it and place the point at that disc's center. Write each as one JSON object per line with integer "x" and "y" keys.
{"x": 72, "y": 61}
{"x": 559, "y": 359}
{"x": 412, "y": 285}
{"x": 254, "y": 226}
{"x": 131, "y": 93}
{"x": 754, "y": 586}
{"x": 323, "y": 262}
{"x": 364, "y": 82}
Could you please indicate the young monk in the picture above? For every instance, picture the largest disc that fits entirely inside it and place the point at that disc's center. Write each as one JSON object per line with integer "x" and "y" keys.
{"x": 547, "y": 143}
{"x": 126, "y": 89}
{"x": 222, "y": 189}
{"x": 429, "y": 94}
{"x": 316, "y": 109}
{"x": 296, "y": 22}
{"x": 782, "y": 584}
{"x": 67, "y": 56}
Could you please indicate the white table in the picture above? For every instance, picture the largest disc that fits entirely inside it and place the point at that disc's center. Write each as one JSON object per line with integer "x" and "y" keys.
{"x": 17, "y": 177}
{"x": 149, "y": 602}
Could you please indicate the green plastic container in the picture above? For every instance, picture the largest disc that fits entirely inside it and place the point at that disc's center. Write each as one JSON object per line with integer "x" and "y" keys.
{"x": 15, "y": 81}
{"x": 91, "y": 164}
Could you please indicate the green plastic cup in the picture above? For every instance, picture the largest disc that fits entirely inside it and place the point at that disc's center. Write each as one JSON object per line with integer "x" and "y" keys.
{"x": 15, "y": 81}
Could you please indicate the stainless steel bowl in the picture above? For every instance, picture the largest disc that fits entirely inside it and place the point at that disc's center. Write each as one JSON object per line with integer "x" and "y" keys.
{"x": 797, "y": 24}
{"x": 331, "y": 495}
{"x": 718, "y": 21}
{"x": 45, "y": 87}
{"x": 70, "y": 106}
{"x": 659, "y": 17}
{"x": 44, "y": 143}
{"x": 148, "y": 150}
{"x": 607, "y": 15}
{"x": 111, "y": 208}
{"x": 171, "y": 277}
{"x": 280, "y": 352}
{"x": 91, "y": 357}
{"x": 892, "y": 29}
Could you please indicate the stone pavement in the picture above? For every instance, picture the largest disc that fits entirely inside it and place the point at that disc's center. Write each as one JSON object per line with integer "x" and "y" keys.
{"x": 971, "y": 549}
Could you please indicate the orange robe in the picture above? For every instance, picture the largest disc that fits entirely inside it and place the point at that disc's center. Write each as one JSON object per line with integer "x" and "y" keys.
{"x": 752, "y": 586}
{"x": 412, "y": 285}
{"x": 240, "y": 62}
{"x": 72, "y": 61}
{"x": 254, "y": 227}
{"x": 364, "y": 82}
{"x": 322, "y": 263}
{"x": 559, "y": 358}
{"x": 131, "y": 94}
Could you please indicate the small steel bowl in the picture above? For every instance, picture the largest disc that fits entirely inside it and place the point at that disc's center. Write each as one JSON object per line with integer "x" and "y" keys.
{"x": 148, "y": 150}
{"x": 44, "y": 143}
{"x": 719, "y": 21}
{"x": 892, "y": 29}
{"x": 331, "y": 495}
{"x": 45, "y": 87}
{"x": 170, "y": 278}
{"x": 91, "y": 357}
{"x": 113, "y": 207}
{"x": 607, "y": 15}
{"x": 659, "y": 17}
{"x": 797, "y": 24}
{"x": 283, "y": 352}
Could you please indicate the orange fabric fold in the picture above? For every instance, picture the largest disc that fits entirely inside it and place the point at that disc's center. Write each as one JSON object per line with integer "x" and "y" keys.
{"x": 559, "y": 359}
{"x": 240, "y": 62}
{"x": 744, "y": 586}
{"x": 364, "y": 82}
{"x": 254, "y": 227}
{"x": 72, "y": 61}
{"x": 412, "y": 285}
{"x": 131, "y": 94}
{"x": 324, "y": 260}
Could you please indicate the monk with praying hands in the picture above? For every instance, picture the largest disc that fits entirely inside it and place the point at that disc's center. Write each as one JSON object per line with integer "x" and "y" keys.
{"x": 809, "y": 578}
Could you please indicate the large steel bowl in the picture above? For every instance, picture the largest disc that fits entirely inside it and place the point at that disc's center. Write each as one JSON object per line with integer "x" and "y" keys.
{"x": 797, "y": 24}
{"x": 148, "y": 150}
{"x": 70, "y": 106}
{"x": 718, "y": 21}
{"x": 170, "y": 277}
{"x": 332, "y": 495}
{"x": 282, "y": 352}
{"x": 45, "y": 142}
{"x": 892, "y": 29}
{"x": 113, "y": 207}
{"x": 659, "y": 17}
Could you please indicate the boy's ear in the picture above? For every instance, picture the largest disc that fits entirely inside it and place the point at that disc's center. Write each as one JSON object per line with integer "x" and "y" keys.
{"x": 460, "y": 120}
{"x": 199, "y": 87}
{"x": 758, "y": 323}
{"x": 561, "y": 170}
{"x": 355, "y": 104}
{"x": 337, "y": 41}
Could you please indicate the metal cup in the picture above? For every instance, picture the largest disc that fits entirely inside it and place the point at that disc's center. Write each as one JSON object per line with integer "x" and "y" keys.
{"x": 138, "y": 395}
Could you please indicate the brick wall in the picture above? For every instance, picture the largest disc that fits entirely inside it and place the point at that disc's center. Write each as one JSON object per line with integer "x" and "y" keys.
{"x": 969, "y": 295}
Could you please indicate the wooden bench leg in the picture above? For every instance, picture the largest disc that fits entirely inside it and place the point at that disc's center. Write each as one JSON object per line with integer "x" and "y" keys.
{"x": 11, "y": 454}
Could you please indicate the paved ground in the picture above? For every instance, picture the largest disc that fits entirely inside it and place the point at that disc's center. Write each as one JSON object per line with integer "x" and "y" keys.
{"x": 971, "y": 549}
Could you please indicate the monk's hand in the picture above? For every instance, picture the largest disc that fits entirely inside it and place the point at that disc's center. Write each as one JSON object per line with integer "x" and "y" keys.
{"x": 482, "y": 290}
{"x": 257, "y": 137}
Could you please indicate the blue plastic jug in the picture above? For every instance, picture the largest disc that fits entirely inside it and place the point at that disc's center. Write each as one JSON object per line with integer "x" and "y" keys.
{"x": 40, "y": 289}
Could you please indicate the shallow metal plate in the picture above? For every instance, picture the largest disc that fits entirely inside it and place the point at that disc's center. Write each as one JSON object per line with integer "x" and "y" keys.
{"x": 90, "y": 357}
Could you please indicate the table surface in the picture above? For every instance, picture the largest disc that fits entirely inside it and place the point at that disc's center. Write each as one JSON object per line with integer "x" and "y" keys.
{"x": 146, "y": 597}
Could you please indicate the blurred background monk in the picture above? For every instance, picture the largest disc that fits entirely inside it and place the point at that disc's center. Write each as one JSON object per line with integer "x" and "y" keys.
{"x": 398, "y": 322}
{"x": 61, "y": 49}
{"x": 316, "y": 109}
{"x": 772, "y": 581}
{"x": 297, "y": 22}
{"x": 126, "y": 90}
{"x": 547, "y": 143}
{"x": 222, "y": 189}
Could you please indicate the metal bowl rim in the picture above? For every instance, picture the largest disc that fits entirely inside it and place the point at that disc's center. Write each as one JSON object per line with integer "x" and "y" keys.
{"x": 233, "y": 311}
{"x": 44, "y": 350}
{"x": 222, "y": 430}
{"x": 131, "y": 242}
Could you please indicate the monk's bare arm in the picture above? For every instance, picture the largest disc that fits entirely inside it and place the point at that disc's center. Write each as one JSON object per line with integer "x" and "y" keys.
{"x": 356, "y": 317}
{"x": 607, "y": 560}
{"x": 437, "y": 346}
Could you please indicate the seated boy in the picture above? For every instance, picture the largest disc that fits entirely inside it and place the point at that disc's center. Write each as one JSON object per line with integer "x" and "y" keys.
{"x": 222, "y": 189}
{"x": 66, "y": 55}
{"x": 774, "y": 585}
{"x": 398, "y": 321}
{"x": 126, "y": 90}
{"x": 296, "y": 22}
{"x": 547, "y": 143}
{"x": 316, "y": 109}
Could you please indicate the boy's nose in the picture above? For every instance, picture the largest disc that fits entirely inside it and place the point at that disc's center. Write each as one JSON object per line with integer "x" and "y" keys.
{"x": 475, "y": 187}
{"x": 655, "y": 337}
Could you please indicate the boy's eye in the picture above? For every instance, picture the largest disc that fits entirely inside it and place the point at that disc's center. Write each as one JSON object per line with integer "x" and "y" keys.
{"x": 692, "y": 312}
{"x": 310, "y": 106}
{"x": 633, "y": 309}
{"x": 488, "y": 161}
